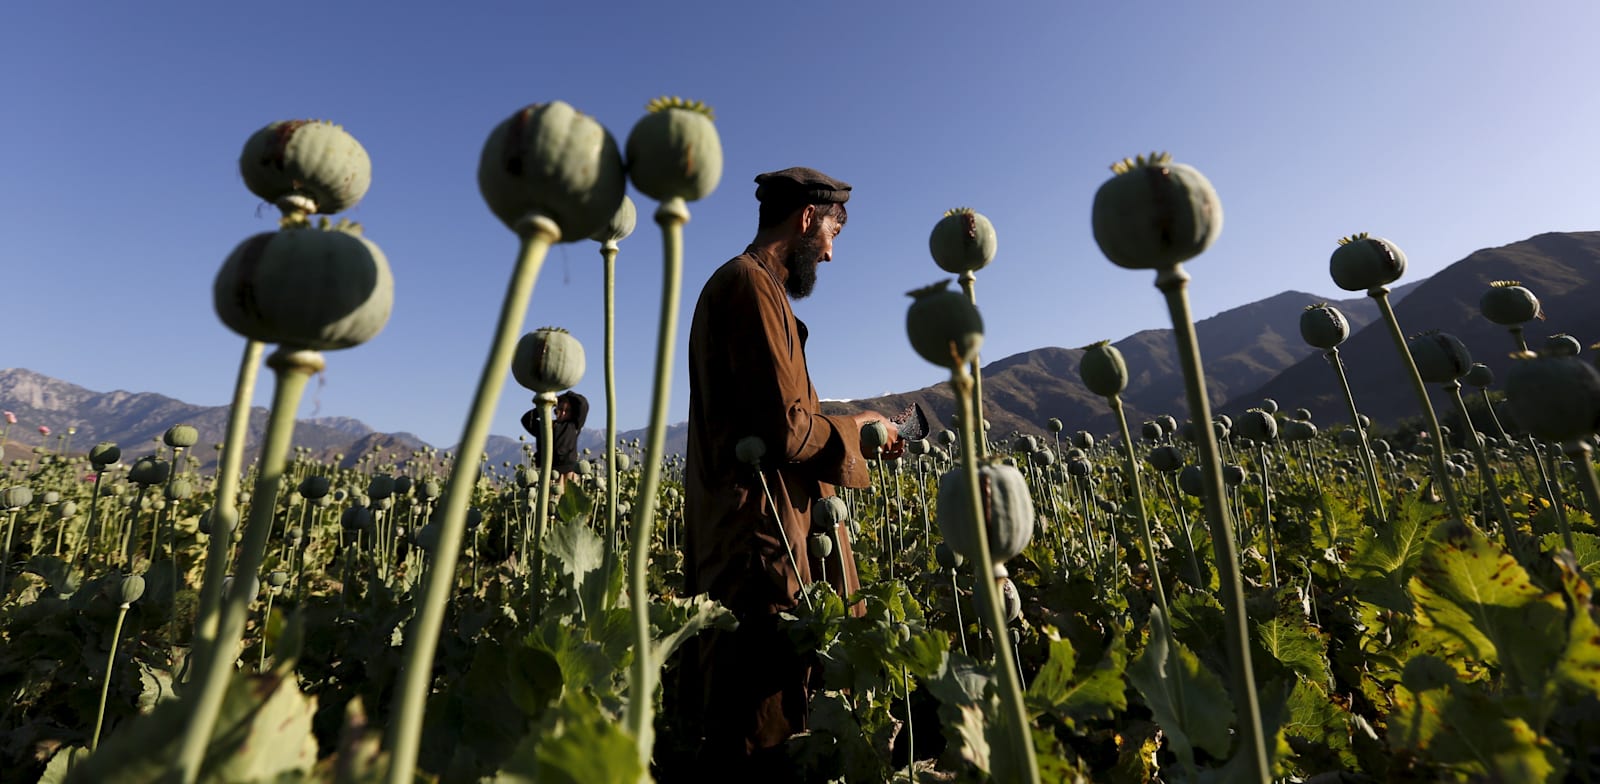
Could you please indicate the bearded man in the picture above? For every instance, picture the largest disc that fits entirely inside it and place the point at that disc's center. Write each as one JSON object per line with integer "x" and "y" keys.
{"x": 748, "y": 377}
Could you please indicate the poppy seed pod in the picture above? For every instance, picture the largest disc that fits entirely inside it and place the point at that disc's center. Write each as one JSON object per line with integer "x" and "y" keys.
{"x": 1299, "y": 431}
{"x": 1083, "y": 439}
{"x": 1363, "y": 262}
{"x": 1010, "y": 599}
{"x": 548, "y": 359}
{"x": 962, "y": 241}
{"x": 1303, "y": 414}
{"x": 1079, "y": 467}
{"x": 1007, "y": 511}
{"x": 1269, "y": 405}
{"x": 1352, "y": 438}
{"x": 1165, "y": 459}
{"x": 313, "y": 288}
{"x": 65, "y": 510}
{"x": 621, "y": 224}
{"x": 104, "y": 454}
{"x": 1151, "y": 431}
{"x": 1479, "y": 375}
{"x": 182, "y": 436}
{"x": 674, "y": 151}
{"x": 1025, "y": 444}
{"x": 946, "y": 437}
{"x": 1323, "y": 326}
{"x": 313, "y": 165}
{"x": 944, "y": 326}
{"x": 553, "y": 160}
{"x": 380, "y": 486}
{"x": 1258, "y": 426}
{"x": 1054, "y": 425}
{"x": 919, "y": 447}
{"x": 1440, "y": 357}
{"x": 1192, "y": 481}
{"x": 179, "y": 489}
{"x": 874, "y": 436}
{"x": 402, "y": 484}
{"x": 821, "y": 545}
{"x": 16, "y": 497}
{"x": 1562, "y": 345}
{"x": 946, "y": 557}
{"x": 1508, "y": 304}
{"x": 750, "y": 450}
{"x": 127, "y": 590}
{"x": 1103, "y": 370}
{"x": 314, "y": 487}
{"x": 149, "y": 470}
{"x": 277, "y": 578}
{"x": 828, "y": 513}
{"x": 1556, "y": 398}
{"x": 356, "y": 518}
{"x": 1154, "y": 213}
{"x": 1233, "y": 475}
{"x": 1042, "y": 457}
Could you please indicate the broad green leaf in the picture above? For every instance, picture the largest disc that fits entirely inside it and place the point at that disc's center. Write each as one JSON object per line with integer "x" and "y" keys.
{"x": 1382, "y": 564}
{"x": 1188, "y": 700}
{"x": 1295, "y": 645}
{"x": 577, "y": 743}
{"x": 1059, "y": 689}
{"x": 967, "y": 706}
{"x": 1471, "y": 734}
{"x": 1473, "y": 599}
{"x": 62, "y": 763}
{"x": 830, "y": 717}
{"x": 580, "y": 553}
{"x": 575, "y": 505}
{"x": 1314, "y": 720}
{"x": 1587, "y": 552}
{"x": 678, "y": 619}
{"x": 1137, "y": 745}
{"x": 1579, "y": 668}
{"x": 360, "y": 758}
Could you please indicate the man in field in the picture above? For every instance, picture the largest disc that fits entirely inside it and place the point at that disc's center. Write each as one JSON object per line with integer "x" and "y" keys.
{"x": 748, "y": 377}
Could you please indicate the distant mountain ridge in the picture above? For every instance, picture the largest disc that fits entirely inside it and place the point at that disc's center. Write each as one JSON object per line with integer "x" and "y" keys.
{"x": 1249, "y": 352}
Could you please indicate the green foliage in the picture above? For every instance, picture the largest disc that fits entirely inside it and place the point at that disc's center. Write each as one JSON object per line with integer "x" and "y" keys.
{"x": 1071, "y": 695}
{"x": 1188, "y": 700}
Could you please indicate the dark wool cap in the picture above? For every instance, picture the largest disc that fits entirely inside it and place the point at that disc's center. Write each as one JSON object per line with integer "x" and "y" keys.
{"x": 801, "y": 185}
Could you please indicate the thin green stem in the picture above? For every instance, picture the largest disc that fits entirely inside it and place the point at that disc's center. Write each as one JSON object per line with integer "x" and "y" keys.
{"x": 608, "y": 251}
{"x": 1508, "y": 532}
{"x": 969, "y": 282}
{"x": 1173, "y": 282}
{"x": 1368, "y": 470}
{"x": 541, "y": 513}
{"x": 1580, "y": 452}
{"x": 422, "y": 635}
{"x": 105, "y": 684}
{"x": 1381, "y": 295}
{"x": 644, "y": 672}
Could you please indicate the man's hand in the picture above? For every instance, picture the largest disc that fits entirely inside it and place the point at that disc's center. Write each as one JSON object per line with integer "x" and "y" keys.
{"x": 895, "y": 446}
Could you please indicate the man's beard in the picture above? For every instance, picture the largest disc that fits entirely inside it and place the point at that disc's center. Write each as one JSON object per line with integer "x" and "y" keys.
{"x": 802, "y": 265}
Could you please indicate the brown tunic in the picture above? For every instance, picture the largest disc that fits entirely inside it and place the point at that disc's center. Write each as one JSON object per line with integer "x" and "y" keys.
{"x": 748, "y": 377}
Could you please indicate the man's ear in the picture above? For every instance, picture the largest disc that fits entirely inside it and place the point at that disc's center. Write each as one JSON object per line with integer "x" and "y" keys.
{"x": 808, "y": 215}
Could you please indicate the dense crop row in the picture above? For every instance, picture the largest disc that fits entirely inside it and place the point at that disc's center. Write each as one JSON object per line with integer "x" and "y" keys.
{"x": 1251, "y": 599}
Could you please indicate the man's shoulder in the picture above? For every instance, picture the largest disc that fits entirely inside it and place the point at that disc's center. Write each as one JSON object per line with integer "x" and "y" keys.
{"x": 742, "y": 274}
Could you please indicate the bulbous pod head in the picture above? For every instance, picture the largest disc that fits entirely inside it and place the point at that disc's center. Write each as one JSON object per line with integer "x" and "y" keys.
{"x": 294, "y": 536}
{"x": 1363, "y": 262}
{"x": 1079, "y": 467}
{"x": 16, "y": 497}
{"x": 1007, "y": 511}
{"x": 380, "y": 486}
{"x": 429, "y": 490}
{"x": 1042, "y": 457}
{"x": 1303, "y": 414}
{"x": 356, "y": 518}
{"x": 1295, "y": 430}
{"x": 1507, "y": 303}
{"x": 1269, "y": 405}
{"x": 277, "y": 578}
{"x": 919, "y": 447}
{"x": 1323, "y": 326}
{"x": 1154, "y": 213}
{"x": 1010, "y": 599}
{"x": 1054, "y": 425}
{"x": 1233, "y": 475}
{"x": 944, "y": 326}
{"x": 127, "y": 590}
{"x": 1556, "y": 398}
{"x": 946, "y": 557}
{"x": 1168, "y": 423}
{"x": 1441, "y": 358}
{"x": 313, "y": 165}
{"x": 183, "y": 436}
{"x": 1350, "y": 438}
{"x": 402, "y": 484}
{"x": 1151, "y": 431}
{"x": 1479, "y": 375}
{"x": 1103, "y": 370}
{"x": 65, "y": 510}
{"x": 874, "y": 436}
{"x": 821, "y": 545}
{"x": 104, "y": 454}
{"x": 149, "y": 470}
{"x": 621, "y": 224}
{"x": 750, "y": 450}
{"x": 1258, "y": 426}
{"x": 1562, "y": 345}
{"x": 674, "y": 151}
{"x": 962, "y": 241}
{"x": 548, "y": 359}
{"x": 1192, "y": 481}
{"x": 553, "y": 160}
{"x": 179, "y": 489}
{"x": 314, "y": 487}
{"x": 828, "y": 513}
{"x": 312, "y": 288}
{"x": 1165, "y": 459}
{"x": 946, "y": 437}
{"x": 1025, "y": 444}
{"x": 1083, "y": 439}
{"x": 624, "y": 462}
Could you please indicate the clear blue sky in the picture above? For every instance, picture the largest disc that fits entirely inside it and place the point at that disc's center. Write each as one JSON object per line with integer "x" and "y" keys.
{"x": 1444, "y": 126}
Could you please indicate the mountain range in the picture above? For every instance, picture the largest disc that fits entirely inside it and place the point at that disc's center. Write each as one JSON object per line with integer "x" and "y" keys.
{"x": 1249, "y": 353}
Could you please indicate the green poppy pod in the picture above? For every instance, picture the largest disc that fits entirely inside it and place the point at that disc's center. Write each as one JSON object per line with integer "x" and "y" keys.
{"x": 1363, "y": 262}
{"x": 1165, "y": 459}
{"x": 919, "y": 447}
{"x": 277, "y": 578}
{"x": 1258, "y": 426}
{"x": 674, "y": 151}
{"x": 104, "y": 454}
{"x": 1079, "y": 467}
{"x": 252, "y": 588}
{"x": 962, "y": 241}
{"x": 65, "y": 510}
{"x": 944, "y": 326}
{"x": 1562, "y": 345}
{"x": 946, "y": 437}
{"x": 829, "y": 512}
{"x": 1054, "y": 425}
{"x": 1042, "y": 457}
{"x": 314, "y": 165}
{"x": 427, "y": 537}
{"x": 1168, "y": 423}
{"x": 1380, "y": 446}
{"x": 181, "y": 436}
{"x": 750, "y": 450}
{"x": 1083, "y": 439}
{"x": 380, "y": 486}
{"x": 1155, "y": 214}
{"x": 874, "y": 436}
{"x": 1297, "y": 431}
{"x": 946, "y": 557}
{"x": 312, "y": 288}
{"x": 385, "y": 503}
{"x": 50, "y": 498}
{"x": 624, "y": 463}
{"x": 585, "y": 468}
{"x": 127, "y": 590}
{"x": 1556, "y": 398}
{"x": 429, "y": 490}
{"x": 1150, "y": 431}
{"x": 1025, "y": 444}
{"x": 294, "y": 536}
{"x": 179, "y": 489}
{"x": 621, "y": 224}
{"x": 1303, "y": 414}
{"x": 553, "y": 160}
{"x": 821, "y": 545}
{"x": 149, "y": 470}
{"x": 1350, "y": 438}
{"x": 16, "y": 497}
{"x": 1192, "y": 481}
{"x": 1007, "y": 511}
{"x": 356, "y": 518}
{"x": 314, "y": 487}
{"x": 1440, "y": 357}
{"x": 1233, "y": 475}
{"x": 1103, "y": 370}
{"x": 1479, "y": 375}
{"x": 1507, "y": 303}
{"x": 548, "y": 359}
{"x": 1010, "y": 599}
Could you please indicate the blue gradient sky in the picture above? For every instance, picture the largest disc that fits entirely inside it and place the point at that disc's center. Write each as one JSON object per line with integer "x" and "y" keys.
{"x": 1444, "y": 126}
